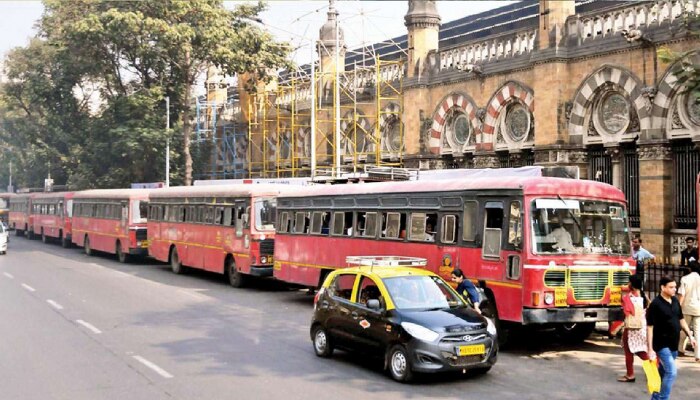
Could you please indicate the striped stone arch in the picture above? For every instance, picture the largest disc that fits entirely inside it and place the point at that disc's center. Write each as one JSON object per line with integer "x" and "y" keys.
{"x": 388, "y": 114}
{"x": 668, "y": 87}
{"x": 362, "y": 122}
{"x": 586, "y": 95}
{"x": 508, "y": 93}
{"x": 461, "y": 101}
{"x": 302, "y": 140}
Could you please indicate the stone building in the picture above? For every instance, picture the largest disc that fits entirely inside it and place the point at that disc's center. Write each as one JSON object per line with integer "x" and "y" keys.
{"x": 575, "y": 83}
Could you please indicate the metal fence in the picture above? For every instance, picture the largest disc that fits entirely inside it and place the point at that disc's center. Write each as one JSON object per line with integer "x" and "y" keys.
{"x": 653, "y": 272}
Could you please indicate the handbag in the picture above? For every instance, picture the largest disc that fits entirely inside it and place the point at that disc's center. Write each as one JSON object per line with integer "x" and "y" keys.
{"x": 635, "y": 321}
{"x": 651, "y": 370}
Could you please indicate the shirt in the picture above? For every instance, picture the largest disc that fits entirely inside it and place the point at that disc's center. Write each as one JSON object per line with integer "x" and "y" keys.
{"x": 562, "y": 237}
{"x": 690, "y": 290}
{"x": 665, "y": 318}
{"x": 686, "y": 255}
{"x": 642, "y": 254}
{"x": 471, "y": 293}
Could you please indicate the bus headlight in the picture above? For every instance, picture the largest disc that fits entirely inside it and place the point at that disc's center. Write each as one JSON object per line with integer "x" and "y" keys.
{"x": 548, "y": 298}
{"x": 420, "y": 332}
{"x": 263, "y": 259}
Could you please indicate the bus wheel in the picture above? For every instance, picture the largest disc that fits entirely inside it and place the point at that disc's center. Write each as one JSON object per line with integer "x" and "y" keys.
{"x": 86, "y": 246}
{"x": 44, "y": 239}
{"x": 491, "y": 312}
{"x": 235, "y": 277}
{"x": 30, "y": 234}
{"x": 121, "y": 256}
{"x": 19, "y": 232}
{"x": 175, "y": 262}
{"x": 575, "y": 333}
{"x": 65, "y": 243}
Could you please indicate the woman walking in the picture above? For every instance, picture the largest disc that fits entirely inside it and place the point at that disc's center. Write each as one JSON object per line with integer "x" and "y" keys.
{"x": 634, "y": 337}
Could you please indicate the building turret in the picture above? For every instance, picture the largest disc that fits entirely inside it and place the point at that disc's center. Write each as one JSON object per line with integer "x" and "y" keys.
{"x": 553, "y": 15}
{"x": 327, "y": 42}
{"x": 216, "y": 86}
{"x": 423, "y": 23}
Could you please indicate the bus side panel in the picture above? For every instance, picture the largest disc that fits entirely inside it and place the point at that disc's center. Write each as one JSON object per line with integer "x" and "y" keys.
{"x": 157, "y": 248}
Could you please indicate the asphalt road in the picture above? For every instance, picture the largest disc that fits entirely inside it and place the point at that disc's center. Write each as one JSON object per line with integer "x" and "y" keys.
{"x": 77, "y": 327}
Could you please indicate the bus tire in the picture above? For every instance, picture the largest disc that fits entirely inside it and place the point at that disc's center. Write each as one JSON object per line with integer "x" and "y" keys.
{"x": 44, "y": 239}
{"x": 86, "y": 246}
{"x": 235, "y": 277}
{"x": 29, "y": 233}
{"x": 19, "y": 232}
{"x": 65, "y": 243}
{"x": 491, "y": 311}
{"x": 175, "y": 262}
{"x": 575, "y": 333}
{"x": 399, "y": 363}
{"x": 121, "y": 255}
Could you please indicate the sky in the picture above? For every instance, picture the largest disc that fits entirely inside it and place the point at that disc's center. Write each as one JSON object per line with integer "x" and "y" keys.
{"x": 297, "y": 22}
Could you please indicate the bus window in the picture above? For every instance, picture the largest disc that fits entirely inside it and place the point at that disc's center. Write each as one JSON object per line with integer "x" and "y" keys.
{"x": 515, "y": 230}
{"x": 228, "y": 216}
{"x": 300, "y": 222}
{"x": 284, "y": 222}
{"x": 69, "y": 208}
{"x": 417, "y": 227}
{"x": 348, "y": 223}
{"x": 493, "y": 223}
{"x": 325, "y": 223}
{"x": 393, "y": 226}
{"x": 316, "y": 222}
{"x": 360, "y": 224}
{"x": 449, "y": 229}
{"x": 470, "y": 216}
{"x": 370, "y": 224}
{"x": 338, "y": 223}
{"x": 219, "y": 216}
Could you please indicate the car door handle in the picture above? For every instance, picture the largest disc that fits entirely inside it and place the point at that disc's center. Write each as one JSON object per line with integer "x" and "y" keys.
{"x": 324, "y": 304}
{"x": 355, "y": 315}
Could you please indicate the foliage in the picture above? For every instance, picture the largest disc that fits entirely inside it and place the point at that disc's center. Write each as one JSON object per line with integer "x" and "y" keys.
{"x": 87, "y": 94}
{"x": 686, "y": 70}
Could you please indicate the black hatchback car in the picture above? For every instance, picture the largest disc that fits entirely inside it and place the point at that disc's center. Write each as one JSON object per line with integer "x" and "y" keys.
{"x": 409, "y": 316}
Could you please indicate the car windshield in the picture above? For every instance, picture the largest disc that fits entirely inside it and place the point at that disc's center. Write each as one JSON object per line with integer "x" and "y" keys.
{"x": 422, "y": 292}
{"x": 265, "y": 213}
{"x": 578, "y": 226}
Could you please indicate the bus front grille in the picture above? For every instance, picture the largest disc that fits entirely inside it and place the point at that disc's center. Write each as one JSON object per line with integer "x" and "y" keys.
{"x": 588, "y": 285}
{"x": 621, "y": 278}
{"x": 555, "y": 278}
{"x": 267, "y": 246}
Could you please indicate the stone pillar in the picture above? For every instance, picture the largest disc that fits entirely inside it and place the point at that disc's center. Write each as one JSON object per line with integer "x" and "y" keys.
{"x": 423, "y": 23}
{"x": 656, "y": 197}
{"x": 615, "y": 160}
{"x": 553, "y": 15}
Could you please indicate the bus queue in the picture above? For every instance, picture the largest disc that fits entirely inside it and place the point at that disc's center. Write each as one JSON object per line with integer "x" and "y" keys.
{"x": 545, "y": 251}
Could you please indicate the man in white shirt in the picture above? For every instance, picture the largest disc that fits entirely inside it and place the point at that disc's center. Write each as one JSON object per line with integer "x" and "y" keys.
{"x": 689, "y": 297}
{"x": 560, "y": 236}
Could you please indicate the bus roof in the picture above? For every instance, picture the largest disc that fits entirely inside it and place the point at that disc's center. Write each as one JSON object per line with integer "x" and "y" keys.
{"x": 529, "y": 186}
{"x": 114, "y": 194}
{"x": 52, "y": 195}
{"x": 220, "y": 191}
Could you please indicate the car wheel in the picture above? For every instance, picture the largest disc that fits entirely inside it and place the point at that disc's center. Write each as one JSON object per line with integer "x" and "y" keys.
{"x": 400, "y": 364}
{"x": 121, "y": 255}
{"x": 235, "y": 277}
{"x": 175, "y": 262}
{"x": 323, "y": 347}
{"x": 86, "y": 246}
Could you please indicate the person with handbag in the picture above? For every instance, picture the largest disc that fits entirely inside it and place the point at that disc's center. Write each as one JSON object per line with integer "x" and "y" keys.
{"x": 634, "y": 337}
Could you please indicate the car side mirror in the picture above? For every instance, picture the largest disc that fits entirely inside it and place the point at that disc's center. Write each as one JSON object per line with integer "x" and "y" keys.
{"x": 373, "y": 304}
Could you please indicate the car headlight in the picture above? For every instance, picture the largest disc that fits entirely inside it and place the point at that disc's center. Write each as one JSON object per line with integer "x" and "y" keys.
{"x": 490, "y": 327}
{"x": 420, "y": 332}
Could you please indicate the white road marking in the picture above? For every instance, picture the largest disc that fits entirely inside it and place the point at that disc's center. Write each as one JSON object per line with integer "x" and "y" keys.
{"x": 9, "y": 275}
{"x": 89, "y": 326}
{"x": 31, "y": 289}
{"x": 157, "y": 369}
{"x": 55, "y": 305}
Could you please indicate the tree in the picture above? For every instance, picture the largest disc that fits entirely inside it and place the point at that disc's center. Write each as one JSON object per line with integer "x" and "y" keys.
{"x": 686, "y": 70}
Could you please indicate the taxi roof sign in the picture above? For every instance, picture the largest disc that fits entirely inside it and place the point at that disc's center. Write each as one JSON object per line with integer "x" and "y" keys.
{"x": 386, "y": 261}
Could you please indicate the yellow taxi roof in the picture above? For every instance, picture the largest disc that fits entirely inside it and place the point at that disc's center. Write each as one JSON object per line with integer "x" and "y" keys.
{"x": 389, "y": 272}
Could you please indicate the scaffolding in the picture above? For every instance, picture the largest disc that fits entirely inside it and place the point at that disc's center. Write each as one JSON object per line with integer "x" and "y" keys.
{"x": 371, "y": 133}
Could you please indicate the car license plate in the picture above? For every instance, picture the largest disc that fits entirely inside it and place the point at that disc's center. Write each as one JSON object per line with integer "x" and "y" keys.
{"x": 615, "y": 296}
{"x": 471, "y": 350}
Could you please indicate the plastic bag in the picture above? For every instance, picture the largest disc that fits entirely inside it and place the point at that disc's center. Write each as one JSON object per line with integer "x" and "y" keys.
{"x": 651, "y": 370}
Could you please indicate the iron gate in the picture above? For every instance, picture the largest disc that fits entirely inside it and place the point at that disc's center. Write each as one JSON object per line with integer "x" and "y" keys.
{"x": 686, "y": 165}
{"x": 599, "y": 165}
{"x": 630, "y": 183}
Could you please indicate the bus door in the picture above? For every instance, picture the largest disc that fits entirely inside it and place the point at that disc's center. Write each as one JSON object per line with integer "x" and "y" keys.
{"x": 493, "y": 239}
{"x": 124, "y": 219}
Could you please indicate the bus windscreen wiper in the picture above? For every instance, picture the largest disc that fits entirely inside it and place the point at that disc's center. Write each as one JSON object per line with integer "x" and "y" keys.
{"x": 578, "y": 225}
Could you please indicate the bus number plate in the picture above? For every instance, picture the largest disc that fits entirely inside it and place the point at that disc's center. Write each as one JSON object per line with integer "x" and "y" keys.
{"x": 615, "y": 296}
{"x": 560, "y": 297}
{"x": 472, "y": 350}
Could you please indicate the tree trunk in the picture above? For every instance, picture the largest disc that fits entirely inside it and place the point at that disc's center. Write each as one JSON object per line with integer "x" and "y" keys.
{"x": 186, "y": 124}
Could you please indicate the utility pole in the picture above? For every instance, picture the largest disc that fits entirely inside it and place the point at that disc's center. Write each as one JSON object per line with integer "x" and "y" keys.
{"x": 167, "y": 143}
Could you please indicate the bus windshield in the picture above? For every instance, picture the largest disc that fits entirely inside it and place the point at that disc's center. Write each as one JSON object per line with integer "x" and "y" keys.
{"x": 139, "y": 211}
{"x": 265, "y": 213}
{"x": 422, "y": 292}
{"x": 578, "y": 226}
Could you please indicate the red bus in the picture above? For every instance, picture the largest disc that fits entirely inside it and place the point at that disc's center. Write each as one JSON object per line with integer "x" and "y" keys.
{"x": 51, "y": 215}
{"x": 5, "y": 208}
{"x": 112, "y": 221}
{"x": 500, "y": 232}
{"x": 228, "y": 229}
{"x": 20, "y": 219}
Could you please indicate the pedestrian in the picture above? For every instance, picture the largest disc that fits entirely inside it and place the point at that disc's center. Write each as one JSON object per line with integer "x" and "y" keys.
{"x": 690, "y": 253}
{"x": 689, "y": 297}
{"x": 664, "y": 323}
{"x": 640, "y": 255}
{"x": 466, "y": 289}
{"x": 634, "y": 336}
